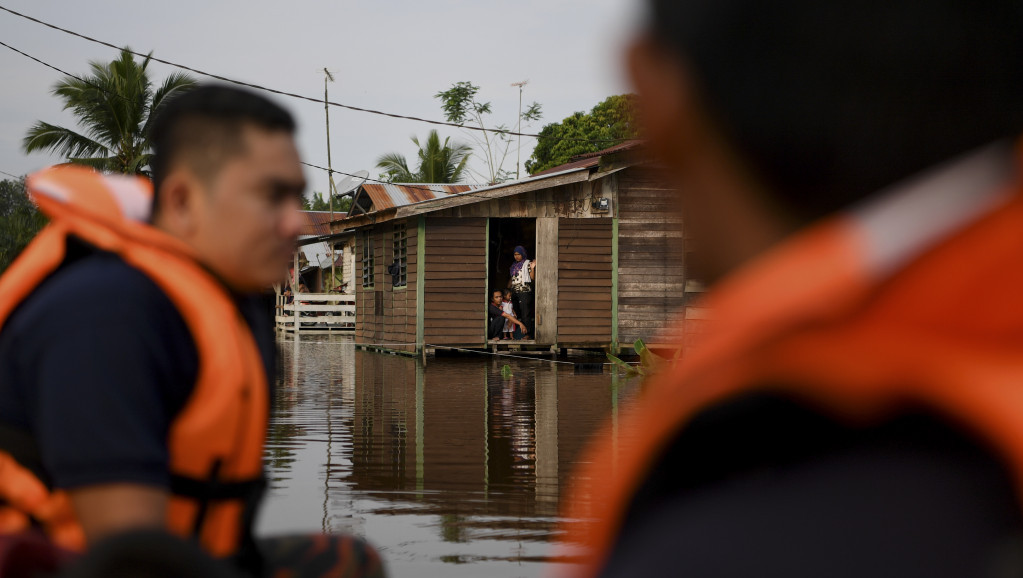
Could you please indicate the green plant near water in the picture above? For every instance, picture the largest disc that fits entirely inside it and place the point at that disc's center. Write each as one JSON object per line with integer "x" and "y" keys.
{"x": 649, "y": 362}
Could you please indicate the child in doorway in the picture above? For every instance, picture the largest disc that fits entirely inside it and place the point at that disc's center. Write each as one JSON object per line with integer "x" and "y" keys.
{"x": 507, "y": 307}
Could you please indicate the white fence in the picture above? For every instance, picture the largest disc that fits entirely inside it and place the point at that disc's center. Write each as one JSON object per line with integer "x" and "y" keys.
{"x": 316, "y": 312}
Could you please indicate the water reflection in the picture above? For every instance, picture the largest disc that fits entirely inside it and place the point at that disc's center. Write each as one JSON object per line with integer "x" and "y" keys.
{"x": 454, "y": 469}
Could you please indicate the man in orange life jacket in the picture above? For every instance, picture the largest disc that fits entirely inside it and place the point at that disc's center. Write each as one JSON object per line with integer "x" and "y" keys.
{"x": 135, "y": 359}
{"x": 850, "y": 178}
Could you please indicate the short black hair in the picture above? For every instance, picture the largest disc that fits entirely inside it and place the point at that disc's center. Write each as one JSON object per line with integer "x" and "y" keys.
{"x": 827, "y": 101}
{"x": 205, "y": 125}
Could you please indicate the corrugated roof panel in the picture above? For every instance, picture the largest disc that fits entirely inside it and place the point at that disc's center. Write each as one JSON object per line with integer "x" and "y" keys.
{"x": 389, "y": 195}
{"x": 590, "y": 159}
{"x": 317, "y": 223}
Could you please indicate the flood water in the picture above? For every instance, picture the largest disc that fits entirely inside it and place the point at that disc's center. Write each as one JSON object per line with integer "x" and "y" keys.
{"x": 453, "y": 469}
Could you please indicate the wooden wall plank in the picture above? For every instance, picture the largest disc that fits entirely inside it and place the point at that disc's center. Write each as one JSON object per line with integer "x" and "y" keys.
{"x": 584, "y": 280}
{"x": 455, "y": 281}
{"x": 651, "y": 276}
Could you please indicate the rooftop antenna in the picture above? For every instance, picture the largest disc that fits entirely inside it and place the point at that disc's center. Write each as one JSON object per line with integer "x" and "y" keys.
{"x": 518, "y": 147}
{"x": 329, "y": 77}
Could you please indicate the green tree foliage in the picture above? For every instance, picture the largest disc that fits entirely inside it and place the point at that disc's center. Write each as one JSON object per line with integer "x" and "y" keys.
{"x": 20, "y": 220}
{"x": 438, "y": 162}
{"x": 114, "y": 105}
{"x": 612, "y": 119}
{"x": 461, "y": 106}
{"x": 319, "y": 203}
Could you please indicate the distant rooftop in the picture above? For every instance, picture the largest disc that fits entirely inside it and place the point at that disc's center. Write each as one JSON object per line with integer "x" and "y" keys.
{"x": 587, "y": 160}
{"x": 317, "y": 223}
{"x": 379, "y": 196}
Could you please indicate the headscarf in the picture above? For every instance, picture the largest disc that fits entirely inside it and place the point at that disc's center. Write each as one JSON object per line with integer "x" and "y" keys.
{"x": 517, "y": 265}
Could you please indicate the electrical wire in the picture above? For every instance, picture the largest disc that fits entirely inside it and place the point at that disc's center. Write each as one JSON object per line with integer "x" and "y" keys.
{"x": 299, "y": 96}
{"x": 9, "y": 175}
{"x": 404, "y": 185}
{"x": 105, "y": 91}
{"x": 311, "y": 165}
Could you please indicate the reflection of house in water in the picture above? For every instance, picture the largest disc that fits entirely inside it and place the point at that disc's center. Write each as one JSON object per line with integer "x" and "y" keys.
{"x": 501, "y": 443}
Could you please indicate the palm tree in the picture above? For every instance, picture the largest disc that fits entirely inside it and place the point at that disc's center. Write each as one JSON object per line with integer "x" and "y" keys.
{"x": 438, "y": 163}
{"x": 114, "y": 105}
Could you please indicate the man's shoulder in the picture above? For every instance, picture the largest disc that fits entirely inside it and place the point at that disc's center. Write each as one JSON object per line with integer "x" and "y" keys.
{"x": 91, "y": 287}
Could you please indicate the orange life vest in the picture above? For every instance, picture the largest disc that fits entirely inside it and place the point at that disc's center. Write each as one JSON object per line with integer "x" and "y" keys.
{"x": 216, "y": 442}
{"x": 916, "y": 301}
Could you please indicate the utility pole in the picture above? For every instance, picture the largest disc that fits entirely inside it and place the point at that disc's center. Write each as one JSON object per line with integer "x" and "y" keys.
{"x": 328, "y": 77}
{"x": 518, "y": 147}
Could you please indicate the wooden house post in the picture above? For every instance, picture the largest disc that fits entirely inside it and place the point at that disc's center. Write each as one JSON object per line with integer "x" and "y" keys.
{"x": 546, "y": 283}
{"x": 615, "y": 346}
{"x": 421, "y": 287}
{"x": 294, "y": 295}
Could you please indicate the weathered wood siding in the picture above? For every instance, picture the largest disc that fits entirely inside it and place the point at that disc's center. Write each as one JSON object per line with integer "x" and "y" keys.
{"x": 456, "y": 282}
{"x": 386, "y": 315}
{"x": 584, "y": 281}
{"x": 546, "y": 282}
{"x": 651, "y": 275}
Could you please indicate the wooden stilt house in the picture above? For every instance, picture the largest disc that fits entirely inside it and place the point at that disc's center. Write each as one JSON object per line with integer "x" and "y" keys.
{"x": 606, "y": 235}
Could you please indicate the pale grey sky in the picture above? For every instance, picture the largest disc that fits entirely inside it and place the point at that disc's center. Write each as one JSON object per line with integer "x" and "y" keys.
{"x": 390, "y": 55}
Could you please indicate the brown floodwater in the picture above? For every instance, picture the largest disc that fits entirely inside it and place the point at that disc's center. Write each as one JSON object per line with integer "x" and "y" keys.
{"x": 453, "y": 469}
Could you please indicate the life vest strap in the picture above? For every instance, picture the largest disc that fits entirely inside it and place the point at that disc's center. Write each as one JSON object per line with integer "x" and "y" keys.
{"x": 215, "y": 490}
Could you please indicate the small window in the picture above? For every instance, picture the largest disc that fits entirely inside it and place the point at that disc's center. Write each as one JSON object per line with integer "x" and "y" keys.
{"x": 367, "y": 259}
{"x": 400, "y": 252}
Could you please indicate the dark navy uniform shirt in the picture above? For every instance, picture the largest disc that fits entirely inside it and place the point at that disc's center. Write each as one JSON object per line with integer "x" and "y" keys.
{"x": 763, "y": 486}
{"x": 95, "y": 364}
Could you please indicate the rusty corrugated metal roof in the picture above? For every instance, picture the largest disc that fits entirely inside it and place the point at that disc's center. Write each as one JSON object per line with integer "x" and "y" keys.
{"x": 580, "y": 164}
{"x": 317, "y": 223}
{"x": 587, "y": 160}
{"x": 387, "y": 195}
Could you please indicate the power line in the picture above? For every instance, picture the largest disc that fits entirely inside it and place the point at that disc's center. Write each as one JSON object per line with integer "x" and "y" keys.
{"x": 74, "y": 76}
{"x": 9, "y": 175}
{"x": 408, "y": 185}
{"x": 299, "y": 96}
{"x": 325, "y": 169}
{"x": 30, "y": 57}
{"x": 105, "y": 91}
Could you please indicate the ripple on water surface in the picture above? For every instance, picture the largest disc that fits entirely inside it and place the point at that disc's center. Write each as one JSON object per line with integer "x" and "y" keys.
{"x": 455, "y": 469}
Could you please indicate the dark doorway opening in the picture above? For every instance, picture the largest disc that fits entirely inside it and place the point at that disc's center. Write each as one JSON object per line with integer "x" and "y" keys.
{"x": 505, "y": 235}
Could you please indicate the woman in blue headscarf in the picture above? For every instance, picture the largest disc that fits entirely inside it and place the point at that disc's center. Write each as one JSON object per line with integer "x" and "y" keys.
{"x": 523, "y": 272}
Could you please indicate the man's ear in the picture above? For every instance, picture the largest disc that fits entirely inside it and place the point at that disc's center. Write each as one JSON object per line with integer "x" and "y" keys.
{"x": 176, "y": 213}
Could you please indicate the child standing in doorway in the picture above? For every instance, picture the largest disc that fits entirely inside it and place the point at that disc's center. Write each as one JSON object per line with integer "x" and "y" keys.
{"x": 507, "y": 307}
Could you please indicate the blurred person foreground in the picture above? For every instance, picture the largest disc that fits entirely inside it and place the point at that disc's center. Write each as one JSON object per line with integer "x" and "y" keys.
{"x": 135, "y": 357}
{"x": 850, "y": 178}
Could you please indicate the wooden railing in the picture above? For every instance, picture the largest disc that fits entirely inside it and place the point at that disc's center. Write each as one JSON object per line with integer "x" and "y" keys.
{"x": 316, "y": 312}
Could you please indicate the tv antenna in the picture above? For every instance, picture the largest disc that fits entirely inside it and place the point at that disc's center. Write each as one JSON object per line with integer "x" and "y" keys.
{"x": 518, "y": 147}
{"x": 328, "y": 76}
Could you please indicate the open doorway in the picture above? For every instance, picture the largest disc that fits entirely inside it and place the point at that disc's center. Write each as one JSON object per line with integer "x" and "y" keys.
{"x": 505, "y": 235}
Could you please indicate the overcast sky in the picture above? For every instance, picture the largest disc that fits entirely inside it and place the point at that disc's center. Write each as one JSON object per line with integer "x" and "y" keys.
{"x": 390, "y": 55}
